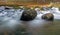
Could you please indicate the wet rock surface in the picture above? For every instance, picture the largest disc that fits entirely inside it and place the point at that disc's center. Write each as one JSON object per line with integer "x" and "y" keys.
{"x": 48, "y": 16}
{"x": 28, "y": 15}
{"x": 10, "y": 24}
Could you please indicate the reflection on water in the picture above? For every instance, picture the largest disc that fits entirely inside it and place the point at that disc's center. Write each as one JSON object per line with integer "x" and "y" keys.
{"x": 34, "y": 27}
{"x": 41, "y": 27}
{"x": 11, "y": 25}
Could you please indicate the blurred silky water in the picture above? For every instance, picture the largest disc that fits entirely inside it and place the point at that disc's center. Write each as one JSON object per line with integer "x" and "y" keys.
{"x": 10, "y": 24}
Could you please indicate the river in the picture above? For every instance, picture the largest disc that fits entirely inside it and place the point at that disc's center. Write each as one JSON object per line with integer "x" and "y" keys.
{"x": 12, "y": 26}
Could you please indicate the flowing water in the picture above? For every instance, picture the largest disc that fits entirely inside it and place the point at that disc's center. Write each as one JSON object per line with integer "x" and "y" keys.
{"x": 10, "y": 24}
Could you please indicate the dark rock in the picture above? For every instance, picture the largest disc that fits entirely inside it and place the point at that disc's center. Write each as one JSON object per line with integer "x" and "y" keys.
{"x": 28, "y": 15}
{"x": 7, "y": 7}
{"x": 48, "y": 16}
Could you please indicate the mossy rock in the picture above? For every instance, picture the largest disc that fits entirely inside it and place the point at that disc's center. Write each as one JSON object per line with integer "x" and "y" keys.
{"x": 28, "y": 15}
{"x": 48, "y": 16}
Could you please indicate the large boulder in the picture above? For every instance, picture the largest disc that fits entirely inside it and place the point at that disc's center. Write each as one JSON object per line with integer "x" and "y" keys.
{"x": 28, "y": 15}
{"x": 48, "y": 16}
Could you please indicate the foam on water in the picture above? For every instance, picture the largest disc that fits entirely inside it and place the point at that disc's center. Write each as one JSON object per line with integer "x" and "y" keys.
{"x": 9, "y": 19}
